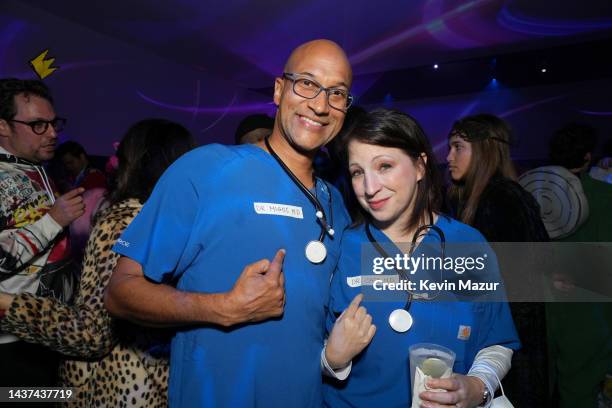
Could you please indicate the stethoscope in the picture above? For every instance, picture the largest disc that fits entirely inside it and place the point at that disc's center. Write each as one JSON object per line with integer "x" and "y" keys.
{"x": 401, "y": 320}
{"x": 315, "y": 250}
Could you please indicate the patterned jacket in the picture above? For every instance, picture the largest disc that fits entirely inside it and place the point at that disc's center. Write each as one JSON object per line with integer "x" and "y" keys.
{"x": 34, "y": 250}
{"x": 110, "y": 363}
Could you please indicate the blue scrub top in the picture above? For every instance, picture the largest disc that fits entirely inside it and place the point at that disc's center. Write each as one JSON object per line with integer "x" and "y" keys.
{"x": 214, "y": 211}
{"x": 381, "y": 373}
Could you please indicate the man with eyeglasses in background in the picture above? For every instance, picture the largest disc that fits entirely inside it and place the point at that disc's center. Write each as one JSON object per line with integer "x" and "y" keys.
{"x": 250, "y": 331}
{"x": 34, "y": 251}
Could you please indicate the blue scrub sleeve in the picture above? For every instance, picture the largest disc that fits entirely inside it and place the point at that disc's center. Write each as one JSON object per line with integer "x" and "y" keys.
{"x": 159, "y": 236}
{"x": 501, "y": 330}
{"x": 497, "y": 323}
{"x": 340, "y": 296}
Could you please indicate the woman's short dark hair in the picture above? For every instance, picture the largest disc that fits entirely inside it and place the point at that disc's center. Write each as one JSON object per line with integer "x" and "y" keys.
{"x": 145, "y": 152}
{"x": 392, "y": 128}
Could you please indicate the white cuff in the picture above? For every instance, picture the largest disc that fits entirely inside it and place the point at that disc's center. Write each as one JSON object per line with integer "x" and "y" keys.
{"x": 48, "y": 227}
{"x": 491, "y": 364}
{"x": 339, "y": 374}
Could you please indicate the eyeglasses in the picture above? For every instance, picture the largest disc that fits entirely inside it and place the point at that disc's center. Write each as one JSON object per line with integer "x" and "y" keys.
{"x": 308, "y": 88}
{"x": 40, "y": 126}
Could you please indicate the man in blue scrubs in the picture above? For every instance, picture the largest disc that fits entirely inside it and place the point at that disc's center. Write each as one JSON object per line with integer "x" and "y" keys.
{"x": 250, "y": 330}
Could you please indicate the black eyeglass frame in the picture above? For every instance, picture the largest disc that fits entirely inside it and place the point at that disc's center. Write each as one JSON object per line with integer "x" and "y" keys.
{"x": 58, "y": 124}
{"x": 293, "y": 77}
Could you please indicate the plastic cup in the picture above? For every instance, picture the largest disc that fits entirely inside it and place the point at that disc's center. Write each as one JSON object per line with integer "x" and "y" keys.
{"x": 432, "y": 359}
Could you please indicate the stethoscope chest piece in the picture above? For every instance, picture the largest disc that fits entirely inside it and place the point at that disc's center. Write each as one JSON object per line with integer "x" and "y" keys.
{"x": 316, "y": 251}
{"x": 400, "y": 320}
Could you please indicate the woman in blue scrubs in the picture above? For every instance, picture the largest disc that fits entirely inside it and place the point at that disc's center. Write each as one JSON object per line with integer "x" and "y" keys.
{"x": 395, "y": 181}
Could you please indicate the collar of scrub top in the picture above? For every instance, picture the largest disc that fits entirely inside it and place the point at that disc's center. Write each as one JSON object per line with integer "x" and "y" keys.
{"x": 413, "y": 245}
{"x": 313, "y": 198}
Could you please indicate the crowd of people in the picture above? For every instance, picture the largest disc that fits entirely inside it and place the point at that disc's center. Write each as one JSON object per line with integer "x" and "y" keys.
{"x": 236, "y": 276}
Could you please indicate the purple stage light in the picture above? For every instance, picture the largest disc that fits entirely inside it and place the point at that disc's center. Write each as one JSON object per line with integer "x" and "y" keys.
{"x": 533, "y": 26}
{"x": 11, "y": 31}
{"x": 470, "y": 108}
{"x": 214, "y": 123}
{"x": 246, "y": 108}
{"x": 529, "y": 106}
{"x": 63, "y": 67}
{"x": 402, "y": 37}
{"x": 493, "y": 85}
{"x": 197, "y": 101}
{"x": 438, "y": 29}
{"x": 595, "y": 113}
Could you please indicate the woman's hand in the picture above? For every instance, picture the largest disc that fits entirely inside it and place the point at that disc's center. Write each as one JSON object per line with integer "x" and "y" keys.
{"x": 351, "y": 333}
{"x": 462, "y": 392}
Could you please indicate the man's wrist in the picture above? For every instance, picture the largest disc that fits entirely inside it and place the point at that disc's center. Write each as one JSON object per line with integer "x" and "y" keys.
{"x": 56, "y": 219}
{"x": 223, "y": 309}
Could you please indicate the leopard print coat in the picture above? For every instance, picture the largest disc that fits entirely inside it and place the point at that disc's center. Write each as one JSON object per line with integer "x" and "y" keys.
{"x": 110, "y": 363}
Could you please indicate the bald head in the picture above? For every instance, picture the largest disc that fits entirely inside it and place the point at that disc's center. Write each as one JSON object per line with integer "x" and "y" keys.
{"x": 305, "y": 123}
{"x": 322, "y": 51}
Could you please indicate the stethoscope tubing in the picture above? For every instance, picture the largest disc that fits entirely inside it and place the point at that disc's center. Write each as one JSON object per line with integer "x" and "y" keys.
{"x": 400, "y": 272}
{"x": 325, "y": 227}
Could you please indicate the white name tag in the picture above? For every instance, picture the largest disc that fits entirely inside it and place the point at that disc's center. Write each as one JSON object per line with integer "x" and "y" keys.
{"x": 368, "y": 280}
{"x": 279, "y": 209}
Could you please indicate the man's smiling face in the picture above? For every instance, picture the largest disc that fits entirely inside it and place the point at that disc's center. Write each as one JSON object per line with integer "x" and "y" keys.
{"x": 308, "y": 124}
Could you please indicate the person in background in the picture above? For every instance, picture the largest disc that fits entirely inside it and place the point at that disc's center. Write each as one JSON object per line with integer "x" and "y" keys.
{"x": 605, "y": 163}
{"x": 573, "y": 147}
{"x": 80, "y": 173}
{"x": 76, "y": 165}
{"x": 485, "y": 195}
{"x": 34, "y": 251}
{"x": 108, "y": 363}
{"x": 581, "y": 352}
{"x": 253, "y": 129}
